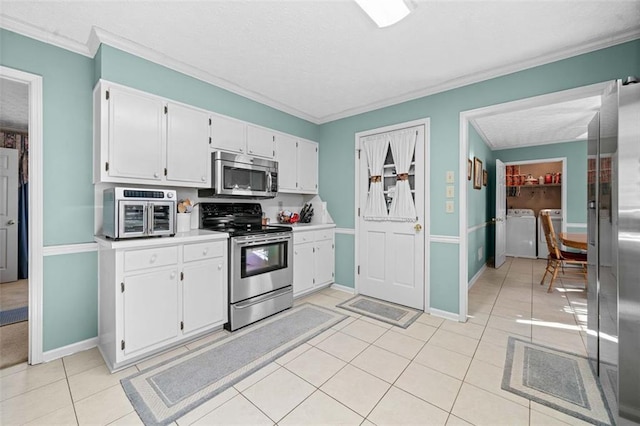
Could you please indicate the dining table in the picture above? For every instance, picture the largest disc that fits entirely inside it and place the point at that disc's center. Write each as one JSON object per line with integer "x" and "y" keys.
{"x": 574, "y": 240}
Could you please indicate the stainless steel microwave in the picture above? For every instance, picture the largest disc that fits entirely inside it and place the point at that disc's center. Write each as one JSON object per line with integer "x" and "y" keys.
{"x": 133, "y": 213}
{"x": 235, "y": 175}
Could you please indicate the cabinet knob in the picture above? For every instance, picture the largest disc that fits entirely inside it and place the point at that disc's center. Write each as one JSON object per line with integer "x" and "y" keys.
{"x": 173, "y": 275}
{"x": 220, "y": 267}
{"x": 205, "y": 251}
{"x": 156, "y": 174}
{"x": 153, "y": 258}
{"x": 250, "y": 151}
{"x": 241, "y": 149}
{"x": 202, "y": 178}
{"x": 295, "y": 252}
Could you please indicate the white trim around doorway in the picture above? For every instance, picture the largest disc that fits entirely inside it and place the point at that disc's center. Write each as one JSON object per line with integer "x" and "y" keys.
{"x": 36, "y": 278}
{"x": 465, "y": 118}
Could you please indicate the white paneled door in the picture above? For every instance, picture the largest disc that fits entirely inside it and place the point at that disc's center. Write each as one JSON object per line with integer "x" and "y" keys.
{"x": 391, "y": 259}
{"x": 8, "y": 215}
{"x": 501, "y": 216}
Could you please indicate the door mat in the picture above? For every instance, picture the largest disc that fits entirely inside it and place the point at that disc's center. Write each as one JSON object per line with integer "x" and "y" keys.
{"x": 167, "y": 391}
{"x": 398, "y": 315}
{"x": 560, "y": 380}
{"x": 12, "y": 316}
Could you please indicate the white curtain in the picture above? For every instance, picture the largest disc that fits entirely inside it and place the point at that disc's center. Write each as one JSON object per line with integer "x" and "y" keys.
{"x": 403, "y": 143}
{"x": 376, "y": 148}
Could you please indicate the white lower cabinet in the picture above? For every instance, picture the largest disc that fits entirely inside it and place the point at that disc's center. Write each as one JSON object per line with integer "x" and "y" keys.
{"x": 154, "y": 298}
{"x": 313, "y": 260}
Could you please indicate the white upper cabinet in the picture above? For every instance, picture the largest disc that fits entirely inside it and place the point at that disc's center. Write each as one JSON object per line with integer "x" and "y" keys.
{"x": 135, "y": 135}
{"x": 308, "y": 166}
{"x": 260, "y": 141}
{"x": 297, "y": 165}
{"x": 187, "y": 145}
{"x": 287, "y": 157}
{"x": 142, "y": 138}
{"x": 228, "y": 134}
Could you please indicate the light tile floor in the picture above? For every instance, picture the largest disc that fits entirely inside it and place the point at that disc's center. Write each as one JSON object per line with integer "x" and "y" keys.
{"x": 361, "y": 371}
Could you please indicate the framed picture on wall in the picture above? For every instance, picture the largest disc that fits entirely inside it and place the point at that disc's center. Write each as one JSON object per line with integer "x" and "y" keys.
{"x": 469, "y": 168}
{"x": 477, "y": 173}
{"x": 485, "y": 177}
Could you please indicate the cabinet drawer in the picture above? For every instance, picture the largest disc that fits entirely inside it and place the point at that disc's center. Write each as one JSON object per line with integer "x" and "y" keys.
{"x": 150, "y": 258}
{"x": 302, "y": 237}
{"x": 324, "y": 234}
{"x": 204, "y": 250}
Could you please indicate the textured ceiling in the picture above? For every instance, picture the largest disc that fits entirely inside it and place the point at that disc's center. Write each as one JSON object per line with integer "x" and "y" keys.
{"x": 560, "y": 122}
{"x": 322, "y": 60}
{"x": 14, "y": 105}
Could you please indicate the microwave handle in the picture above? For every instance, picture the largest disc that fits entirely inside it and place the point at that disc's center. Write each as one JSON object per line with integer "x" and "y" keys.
{"x": 269, "y": 181}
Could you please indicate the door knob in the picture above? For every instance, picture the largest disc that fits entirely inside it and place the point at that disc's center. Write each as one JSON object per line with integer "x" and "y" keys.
{"x": 11, "y": 222}
{"x": 417, "y": 227}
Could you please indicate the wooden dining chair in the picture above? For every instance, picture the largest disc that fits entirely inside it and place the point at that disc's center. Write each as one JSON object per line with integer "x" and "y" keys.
{"x": 557, "y": 258}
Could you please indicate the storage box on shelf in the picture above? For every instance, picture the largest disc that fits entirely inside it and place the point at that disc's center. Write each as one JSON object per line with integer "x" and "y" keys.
{"x": 313, "y": 258}
{"x": 297, "y": 165}
{"x": 143, "y": 138}
{"x": 153, "y": 297}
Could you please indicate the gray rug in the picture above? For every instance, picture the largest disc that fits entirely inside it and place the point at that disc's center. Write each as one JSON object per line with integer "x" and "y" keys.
{"x": 557, "y": 379}
{"x": 398, "y": 315}
{"x": 13, "y": 316}
{"x": 165, "y": 392}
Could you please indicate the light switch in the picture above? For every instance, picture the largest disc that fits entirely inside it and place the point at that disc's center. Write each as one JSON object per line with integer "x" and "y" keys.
{"x": 450, "y": 176}
{"x": 450, "y": 191}
{"x": 449, "y": 206}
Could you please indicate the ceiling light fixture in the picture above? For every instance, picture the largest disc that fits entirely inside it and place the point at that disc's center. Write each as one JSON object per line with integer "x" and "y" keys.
{"x": 384, "y": 12}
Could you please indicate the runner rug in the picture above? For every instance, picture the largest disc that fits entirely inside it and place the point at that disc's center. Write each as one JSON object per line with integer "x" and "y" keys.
{"x": 13, "y": 316}
{"x": 398, "y": 315}
{"x": 557, "y": 379}
{"x": 165, "y": 392}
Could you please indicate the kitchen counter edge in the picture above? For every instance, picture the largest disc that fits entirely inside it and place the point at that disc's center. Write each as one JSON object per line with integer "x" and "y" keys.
{"x": 192, "y": 236}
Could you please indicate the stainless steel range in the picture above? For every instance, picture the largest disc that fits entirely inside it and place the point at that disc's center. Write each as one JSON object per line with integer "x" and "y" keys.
{"x": 260, "y": 261}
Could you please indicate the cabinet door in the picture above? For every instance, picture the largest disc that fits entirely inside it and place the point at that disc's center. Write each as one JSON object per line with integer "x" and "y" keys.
{"x": 136, "y": 135}
{"x": 228, "y": 134}
{"x": 308, "y": 167}
{"x": 187, "y": 145}
{"x": 324, "y": 262}
{"x": 302, "y": 268}
{"x": 150, "y": 308}
{"x": 260, "y": 141}
{"x": 287, "y": 157}
{"x": 204, "y": 291}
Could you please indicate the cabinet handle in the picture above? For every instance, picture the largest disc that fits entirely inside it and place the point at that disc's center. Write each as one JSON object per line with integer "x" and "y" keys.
{"x": 153, "y": 258}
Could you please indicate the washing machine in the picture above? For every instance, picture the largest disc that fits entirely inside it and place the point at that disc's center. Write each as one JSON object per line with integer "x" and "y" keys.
{"x": 521, "y": 233}
{"x": 556, "y": 221}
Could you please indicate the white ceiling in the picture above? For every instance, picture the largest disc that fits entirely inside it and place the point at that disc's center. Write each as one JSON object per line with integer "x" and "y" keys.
{"x": 322, "y": 60}
{"x": 14, "y": 105}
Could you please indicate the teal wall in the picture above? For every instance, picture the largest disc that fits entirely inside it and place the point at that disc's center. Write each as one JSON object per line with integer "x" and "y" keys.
{"x": 480, "y": 205}
{"x": 337, "y": 143}
{"x": 575, "y": 179}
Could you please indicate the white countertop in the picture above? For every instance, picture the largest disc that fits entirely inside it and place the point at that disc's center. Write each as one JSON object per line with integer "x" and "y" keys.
{"x": 192, "y": 236}
{"x": 298, "y": 227}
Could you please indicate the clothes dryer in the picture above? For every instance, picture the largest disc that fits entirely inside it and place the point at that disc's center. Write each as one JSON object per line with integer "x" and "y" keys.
{"x": 556, "y": 221}
{"x": 521, "y": 233}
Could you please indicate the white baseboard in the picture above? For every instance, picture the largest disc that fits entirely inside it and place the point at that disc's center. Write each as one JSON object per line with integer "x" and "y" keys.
{"x": 70, "y": 349}
{"x": 344, "y": 288}
{"x": 444, "y": 314}
{"x": 477, "y": 275}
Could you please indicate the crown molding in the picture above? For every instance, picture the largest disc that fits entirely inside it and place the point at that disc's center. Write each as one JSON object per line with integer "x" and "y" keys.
{"x": 100, "y": 36}
{"x": 472, "y": 78}
{"x": 40, "y": 34}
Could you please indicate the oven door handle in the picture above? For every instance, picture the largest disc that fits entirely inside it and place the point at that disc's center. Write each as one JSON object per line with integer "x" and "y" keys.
{"x": 260, "y": 242}
{"x": 254, "y": 301}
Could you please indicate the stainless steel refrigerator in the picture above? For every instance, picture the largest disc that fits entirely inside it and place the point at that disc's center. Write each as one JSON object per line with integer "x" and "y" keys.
{"x": 613, "y": 220}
